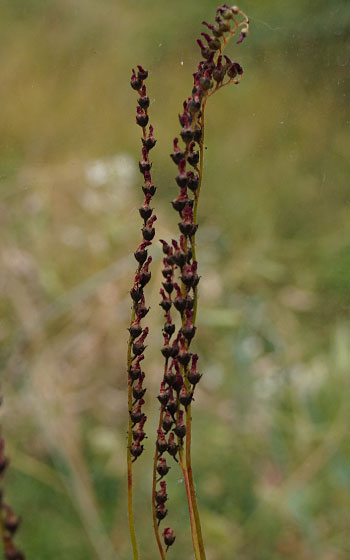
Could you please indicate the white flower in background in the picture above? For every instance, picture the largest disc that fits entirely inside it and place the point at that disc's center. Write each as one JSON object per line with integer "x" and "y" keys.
{"x": 117, "y": 174}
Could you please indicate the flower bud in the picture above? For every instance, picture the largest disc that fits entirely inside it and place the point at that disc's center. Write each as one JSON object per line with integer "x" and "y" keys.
{"x": 136, "y": 449}
{"x": 142, "y": 73}
{"x": 141, "y": 252}
{"x": 162, "y": 467}
{"x": 185, "y": 397}
{"x": 161, "y": 495}
{"x": 141, "y": 117}
{"x": 180, "y": 428}
{"x": 172, "y": 404}
{"x": 135, "y": 82}
{"x": 161, "y": 512}
{"x": 168, "y": 536}
{"x": 167, "y": 422}
{"x": 172, "y": 446}
{"x": 161, "y": 443}
{"x": 163, "y": 395}
{"x": 166, "y": 302}
{"x": 177, "y": 155}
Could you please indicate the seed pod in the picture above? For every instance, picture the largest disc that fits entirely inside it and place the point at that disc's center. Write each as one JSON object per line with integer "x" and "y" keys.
{"x": 141, "y": 309}
{"x": 193, "y": 158}
{"x": 145, "y": 210}
{"x": 187, "y": 228}
{"x": 205, "y": 51}
{"x": 188, "y": 330}
{"x": 162, "y": 467}
{"x": 143, "y": 101}
{"x": 136, "y": 449}
{"x": 136, "y": 293}
{"x": 181, "y": 178}
{"x": 144, "y": 164}
{"x": 177, "y": 154}
{"x": 135, "y": 82}
{"x": 194, "y": 375}
{"x": 142, "y": 73}
{"x": 179, "y": 301}
{"x": 169, "y": 329}
{"x": 138, "y": 391}
{"x": 166, "y": 301}
{"x": 180, "y": 428}
{"x": 161, "y": 495}
{"x": 136, "y": 414}
{"x": 168, "y": 285}
{"x": 185, "y": 397}
{"x": 192, "y": 181}
{"x": 167, "y": 422}
{"x": 167, "y": 270}
{"x": 161, "y": 443}
{"x": 141, "y": 252}
{"x": 168, "y": 536}
{"x": 169, "y": 375}
{"x": 172, "y": 446}
{"x": 184, "y": 356}
{"x": 141, "y": 117}
{"x": 181, "y": 201}
{"x": 172, "y": 404}
{"x": 163, "y": 395}
{"x": 206, "y": 83}
{"x": 161, "y": 512}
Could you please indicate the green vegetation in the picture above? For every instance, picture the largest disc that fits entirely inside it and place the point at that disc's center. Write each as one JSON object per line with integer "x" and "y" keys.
{"x": 270, "y": 450}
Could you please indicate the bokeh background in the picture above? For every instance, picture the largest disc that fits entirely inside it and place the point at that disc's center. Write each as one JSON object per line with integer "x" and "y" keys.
{"x": 271, "y": 417}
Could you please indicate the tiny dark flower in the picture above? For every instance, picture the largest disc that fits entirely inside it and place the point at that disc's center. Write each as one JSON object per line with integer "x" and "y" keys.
{"x": 142, "y": 73}
{"x": 143, "y": 100}
{"x": 180, "y": 428}
{"x": 177, "y": 154}
{"x": 149, "y": 142}
{"x": 136, "y": 413}
{"x": 193, "y": 374}
{"x": 166, "y": 302}
{"x": 144, "y": 164}
{"x": 162, "y": 467}
{"x": 161, "y": 512}
{"x": 163, "y": 395}
{"x": 135, "y": 82}
{"x": 168, "y": 536}
{"x": 172, "y": 404}
{"x": 148, "y": 230}
{"x": 161, "y": 443}
{"x": 161, "y": 495}
{"x": 167, "y": 422}
{"x": 172, "y": 446}
{"x": 141, "y": 252}
{"x": 185, "y": 397}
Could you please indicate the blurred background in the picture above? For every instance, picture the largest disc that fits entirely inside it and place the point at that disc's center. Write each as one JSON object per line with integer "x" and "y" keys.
{"x": 271, "y": 451}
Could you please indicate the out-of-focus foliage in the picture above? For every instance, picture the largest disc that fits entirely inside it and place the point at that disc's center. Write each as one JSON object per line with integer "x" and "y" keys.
{"x": 271, "y": 447}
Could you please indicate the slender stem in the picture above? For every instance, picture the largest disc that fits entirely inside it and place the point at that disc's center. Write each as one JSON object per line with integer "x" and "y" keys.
{"x": 154, "y": 511}
{"x": 184, "y": 468}
{"x": 129, "y": 459}
{"x": 191, "y": 485}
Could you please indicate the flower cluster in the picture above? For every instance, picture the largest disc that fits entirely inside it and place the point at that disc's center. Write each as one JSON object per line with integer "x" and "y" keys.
{"x": 138, "y": 334}
{"x": 9, "y": 522}
{"x": 179, "y": 289}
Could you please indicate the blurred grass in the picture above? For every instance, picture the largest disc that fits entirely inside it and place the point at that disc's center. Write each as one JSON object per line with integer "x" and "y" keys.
{"x": 271, "y": 453}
